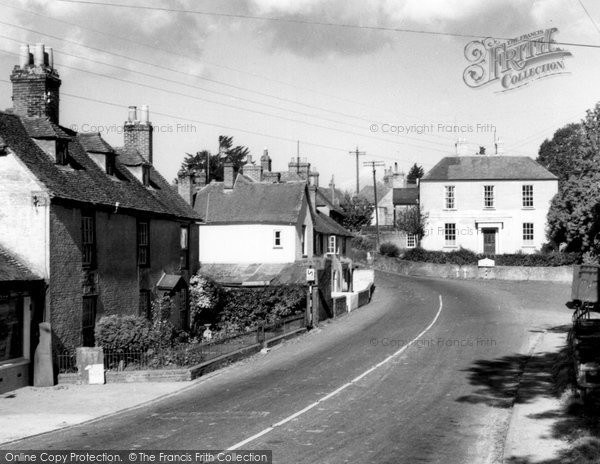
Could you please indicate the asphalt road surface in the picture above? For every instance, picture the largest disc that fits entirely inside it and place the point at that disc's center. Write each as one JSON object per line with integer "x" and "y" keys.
{"x": 445, "y": 398}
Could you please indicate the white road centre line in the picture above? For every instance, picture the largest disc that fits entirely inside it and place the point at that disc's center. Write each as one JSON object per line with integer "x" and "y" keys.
{"x": 340, "y": 389}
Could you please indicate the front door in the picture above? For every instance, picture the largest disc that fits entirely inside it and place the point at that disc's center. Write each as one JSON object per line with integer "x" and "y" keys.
{"x": 489, "y": 241}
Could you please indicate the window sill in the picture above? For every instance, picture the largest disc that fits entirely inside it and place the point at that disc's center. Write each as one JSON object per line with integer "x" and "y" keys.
{"x": 527, "y": 208}
{"x": 489, "y": 208}
{"x": 451, "y": 246}
{"x": 450, "y": 209}
{"x": 528, "y": 246}
{"x": 277, "y": 247}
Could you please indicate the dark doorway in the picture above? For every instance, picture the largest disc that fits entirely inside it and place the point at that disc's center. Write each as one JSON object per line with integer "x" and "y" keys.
{"x": 489, "y": 241}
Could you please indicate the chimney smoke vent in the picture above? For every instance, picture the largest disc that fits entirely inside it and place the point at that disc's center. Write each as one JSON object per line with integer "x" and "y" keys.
{"x": 24, "y": 57}
{"x": 144, "y": 114}
{"x": 38, "y": 54}
{"x": 132, "y": 115}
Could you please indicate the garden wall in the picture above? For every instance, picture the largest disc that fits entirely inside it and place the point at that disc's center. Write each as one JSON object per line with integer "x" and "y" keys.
{"x": 455, "y": 271}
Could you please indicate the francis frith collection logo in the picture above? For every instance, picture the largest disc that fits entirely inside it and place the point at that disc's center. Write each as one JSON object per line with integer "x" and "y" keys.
{"x": 516, "y": 62}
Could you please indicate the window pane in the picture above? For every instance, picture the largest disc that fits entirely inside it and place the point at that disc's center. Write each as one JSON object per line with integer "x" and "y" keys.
{"x": 450, "y": 203}
{"x": 11, "y": 328}
{"x": 528, "y": 231}
{"x": 488, "y": 196}
{"x": 527, "y": 196}
{"x": 450, "y": 234}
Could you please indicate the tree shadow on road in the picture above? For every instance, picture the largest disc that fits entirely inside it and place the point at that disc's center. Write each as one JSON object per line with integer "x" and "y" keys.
{"x": 501, "y": 383}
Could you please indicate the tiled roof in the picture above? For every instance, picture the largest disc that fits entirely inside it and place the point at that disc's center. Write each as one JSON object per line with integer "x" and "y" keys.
{"x": 130, "y": 156}
{"x": 257, "y": 274}
{"x": 251, "y": 202}
{"x": 86, "y": 182}
{"x": 12, "y": 269}
{"x": 323, "y": 198}
{"x": 43, "y": 128}
{"x": 325, "y": 225}
{"x": 405, "y": 196}
{"x": 93, "y": 142}
{"x": 491, "y": 167}
{"x": 367, "y": 192}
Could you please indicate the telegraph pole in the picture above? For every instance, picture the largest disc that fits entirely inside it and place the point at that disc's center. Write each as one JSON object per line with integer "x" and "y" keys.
{"x": 357, "y": 154}
{"x": 373, "y": 165}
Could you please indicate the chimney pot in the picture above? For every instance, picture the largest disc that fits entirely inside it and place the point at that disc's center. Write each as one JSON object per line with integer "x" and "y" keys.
{"x": 144, "y": 116}
{"x": 24, "y": 56}
{"x": 132, "y": 115}
{"x": 50, "y": 53}
{"x": 38, "y": 54}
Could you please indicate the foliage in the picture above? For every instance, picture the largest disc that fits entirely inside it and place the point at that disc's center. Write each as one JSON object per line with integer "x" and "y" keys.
{"x": 464, "y": 257}
{"x": 362, "y": 242}
{"x": 565, "y": 155}
{"x": 357, "y": 210}
{"x": 163, "y": 332}
{"x": 416, "y": 172}
{"x": 574, "y": 214}
{"x": 412, "y": 221}
{"x": 123, "y": 333}
{"x": 389, "y": 249}
{"x": 245, "y": 308}
{"x": 205, "y": 297}
{"x": 236, "y": 155}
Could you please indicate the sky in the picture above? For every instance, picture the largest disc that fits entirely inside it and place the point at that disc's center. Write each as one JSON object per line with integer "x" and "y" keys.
{"x": 332, "y": 75}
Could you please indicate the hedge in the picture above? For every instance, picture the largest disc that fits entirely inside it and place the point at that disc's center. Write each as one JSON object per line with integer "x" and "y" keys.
{"x": 465, "y": 257}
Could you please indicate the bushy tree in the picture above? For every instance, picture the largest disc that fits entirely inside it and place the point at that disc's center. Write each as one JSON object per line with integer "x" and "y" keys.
{"x": 412, "y": 221}
{"x": 205, "y": 296}
{"x": 573, "y": 155}
{"x": 416, "y": 172}
{"x": 358, "y": 211}
{"x": 236, "y": 155}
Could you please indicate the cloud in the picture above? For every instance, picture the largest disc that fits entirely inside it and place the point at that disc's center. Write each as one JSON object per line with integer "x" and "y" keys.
{"x": 499, "y": 18}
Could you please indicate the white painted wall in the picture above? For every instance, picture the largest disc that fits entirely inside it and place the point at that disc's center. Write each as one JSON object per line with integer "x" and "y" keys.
{"x": 470, "y": 216}
{"x": 246, "y": 243}
{"x": 24, "y": 227}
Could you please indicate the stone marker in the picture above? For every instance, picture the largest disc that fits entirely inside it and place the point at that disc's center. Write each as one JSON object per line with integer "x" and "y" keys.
{"x": 43, "y": 372}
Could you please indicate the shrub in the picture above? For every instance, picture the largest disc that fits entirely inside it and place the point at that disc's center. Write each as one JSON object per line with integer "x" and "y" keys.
{"x": 389, "y": 249}
{"x": 464, "y": 257}
{"x": 123, "y": 333}
{"x": 205, "y": 297}
{"x": 244, "y": 308}
{"x": 362, "y": 242}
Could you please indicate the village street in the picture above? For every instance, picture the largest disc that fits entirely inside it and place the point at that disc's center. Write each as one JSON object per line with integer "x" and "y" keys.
{"x": 446, "y": 398}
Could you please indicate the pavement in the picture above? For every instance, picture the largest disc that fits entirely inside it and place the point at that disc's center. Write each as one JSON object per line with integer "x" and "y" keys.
{"x": 31, "y": 411}
{"x": 532, "y": 436}
{"x": 381, "y": 416}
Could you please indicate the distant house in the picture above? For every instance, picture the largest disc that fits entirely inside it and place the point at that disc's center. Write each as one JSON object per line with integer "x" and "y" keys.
{"x": 102, "y": 228}
{"x": 488, "y": 204}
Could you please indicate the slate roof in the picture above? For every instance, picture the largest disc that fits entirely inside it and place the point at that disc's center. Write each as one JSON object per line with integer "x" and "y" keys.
{"x": 491, "y": 167}
{"x": 130, "y": 156}
{"x": 170, "y": 282}
{"x": 12, "y": 269}
{"x": 367, "y": 192}
{"x": 85, "y": 182}
{"x": 94, "y": 143}
{"x": 43, "y": 128}
{"x": 325, "y": 225}
{"x": 323, "y": 198}
{"x": 250, "y": 203}
{"x": 405, "y": 196}
{"x": 257, "y": 274}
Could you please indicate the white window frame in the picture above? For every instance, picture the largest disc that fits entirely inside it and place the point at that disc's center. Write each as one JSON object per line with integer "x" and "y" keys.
{"x": 449, "y": 231}
{"x": 450, "y": 196}
{"x": 331, "y": 244}
{"x": 528, "y": 233}
{"x": 277, "y": 237}
{"x": 411, "y": 241}
{"x": 304, "y": 241}
{"x": 527, "y": 196}
{"x": 488, "y": 196}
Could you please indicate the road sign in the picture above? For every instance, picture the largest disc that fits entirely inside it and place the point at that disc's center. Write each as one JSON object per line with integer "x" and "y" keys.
{"x": 310, "y": 275}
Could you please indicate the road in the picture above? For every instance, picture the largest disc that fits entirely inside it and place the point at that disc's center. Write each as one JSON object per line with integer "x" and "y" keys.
{"x": 446, "y": 398}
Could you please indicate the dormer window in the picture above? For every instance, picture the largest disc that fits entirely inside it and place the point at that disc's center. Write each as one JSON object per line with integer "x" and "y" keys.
{"x": 146, "y": 175}
{"x": 110, "y": 164}
{"x": 62, "y": 152}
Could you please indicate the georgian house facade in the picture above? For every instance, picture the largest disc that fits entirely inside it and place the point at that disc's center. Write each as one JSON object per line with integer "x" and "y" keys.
{"x": 487, "y": 204}
{"x": 100, "y": 226}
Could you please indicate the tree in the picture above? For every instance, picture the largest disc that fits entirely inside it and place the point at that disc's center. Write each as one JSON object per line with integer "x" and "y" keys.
{"x": 416, "y": 172}
{"x": 565, "y": 155}
{"x": 358, "y": 211}
{"x": 573, "y": 155}
{"x": 412, "y": 221}
{"x": 237, "y": 155}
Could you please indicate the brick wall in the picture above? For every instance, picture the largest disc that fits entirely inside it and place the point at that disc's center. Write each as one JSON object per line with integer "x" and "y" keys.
{"x": 117, "y": 277}
{"x": 139, "y": 136}
{"x": 36, "y": 95}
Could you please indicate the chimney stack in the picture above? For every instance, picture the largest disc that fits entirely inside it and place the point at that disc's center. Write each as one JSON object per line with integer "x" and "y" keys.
{"x": 252, "y": 170}
{"x": 185, "y": 186}
{"x": 499, "y": 147}
{"x": 461, "y": 147}
{"x": 228, "y": 175}
{"x": 138, "y": 133}
{"x": 35, "y": 91}
{"x": 265, "y": 161}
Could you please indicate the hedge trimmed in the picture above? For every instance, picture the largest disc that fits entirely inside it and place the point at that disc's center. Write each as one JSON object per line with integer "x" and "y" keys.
{"x": 465, "y": 257}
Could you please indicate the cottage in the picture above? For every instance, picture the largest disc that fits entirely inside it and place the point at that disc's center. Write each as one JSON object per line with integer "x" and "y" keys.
{"x": 488, "y": 204}
{"x": 99, "y": 225}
